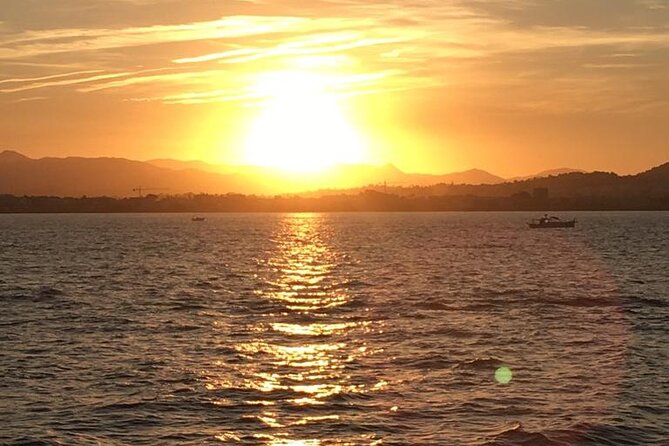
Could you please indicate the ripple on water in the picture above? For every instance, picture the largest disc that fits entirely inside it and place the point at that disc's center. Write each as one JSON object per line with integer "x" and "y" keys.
{"x": 312, "y": 329}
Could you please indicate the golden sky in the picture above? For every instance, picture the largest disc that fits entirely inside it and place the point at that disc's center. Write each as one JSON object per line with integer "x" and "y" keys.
{"x": 509, "y": 86}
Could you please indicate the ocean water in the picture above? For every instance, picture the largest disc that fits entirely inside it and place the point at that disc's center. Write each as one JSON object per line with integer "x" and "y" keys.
{"x": 334, "y": 329}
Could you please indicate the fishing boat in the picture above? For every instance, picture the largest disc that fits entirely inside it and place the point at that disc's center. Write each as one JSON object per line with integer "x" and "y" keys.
{"x": 547, "y": 222}
{"x": 198, "y": 219}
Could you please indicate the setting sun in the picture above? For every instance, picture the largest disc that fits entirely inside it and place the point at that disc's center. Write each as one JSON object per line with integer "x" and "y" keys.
{"x": 301, "y": 126}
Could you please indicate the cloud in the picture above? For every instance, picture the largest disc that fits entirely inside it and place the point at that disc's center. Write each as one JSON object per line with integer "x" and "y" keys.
{"x": 139, "y": 78}
{"x": 258, "y": 90}
{"x": 602, "y": 15}
{"x": 312, "y": 45}
{"x": 36, "y": 43}
{"x": 30, "y": 99}
{"x": 43, "y": 78}
{"x": 59, "y": 83}
{"x": 554, "y": 53}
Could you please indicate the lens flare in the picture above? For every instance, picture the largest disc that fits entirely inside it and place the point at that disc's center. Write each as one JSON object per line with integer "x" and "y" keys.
{"x": 503, "y": 375}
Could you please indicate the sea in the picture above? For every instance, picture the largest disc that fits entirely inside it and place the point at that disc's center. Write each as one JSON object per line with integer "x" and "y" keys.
{"x": 334, "y": 329}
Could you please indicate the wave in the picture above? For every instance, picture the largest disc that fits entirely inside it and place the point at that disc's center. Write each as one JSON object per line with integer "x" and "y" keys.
{"x": 639, "y": 301}
{"x": 481, "y": 363}
{"x": 39, "y": 294}
{"x": 517, "y": 436}
{"x": 28, "y": 441}
{"x": 496, "y": 301}
{"x": 579, "y": 434}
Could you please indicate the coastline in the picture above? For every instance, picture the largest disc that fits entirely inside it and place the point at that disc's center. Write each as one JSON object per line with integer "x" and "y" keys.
{"x": 363, "y": 202}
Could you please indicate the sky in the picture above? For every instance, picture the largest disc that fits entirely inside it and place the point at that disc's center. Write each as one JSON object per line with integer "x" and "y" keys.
{"x": 510, "y": 86}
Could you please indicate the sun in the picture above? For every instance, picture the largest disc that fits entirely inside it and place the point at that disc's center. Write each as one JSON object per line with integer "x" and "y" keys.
{"x": 301, "y": 126}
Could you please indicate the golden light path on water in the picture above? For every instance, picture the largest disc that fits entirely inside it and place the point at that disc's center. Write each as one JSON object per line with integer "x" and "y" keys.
{"x": 302, "y": 349}
{"x": 340, "y": 329}
{"x": 323, "y": 349}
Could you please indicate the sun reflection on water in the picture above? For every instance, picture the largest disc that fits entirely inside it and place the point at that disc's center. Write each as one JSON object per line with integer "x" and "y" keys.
{"x": 297, "y": 358}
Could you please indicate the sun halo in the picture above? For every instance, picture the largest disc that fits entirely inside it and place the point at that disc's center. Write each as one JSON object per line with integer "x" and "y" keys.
{"x": 301, "y": 126}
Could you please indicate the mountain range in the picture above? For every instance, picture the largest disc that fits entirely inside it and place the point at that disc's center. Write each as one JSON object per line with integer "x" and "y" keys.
{"x": 119, "y": 177}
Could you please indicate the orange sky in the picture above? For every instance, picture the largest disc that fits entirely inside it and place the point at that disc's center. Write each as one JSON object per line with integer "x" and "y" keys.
{"x": 509, "y": 86}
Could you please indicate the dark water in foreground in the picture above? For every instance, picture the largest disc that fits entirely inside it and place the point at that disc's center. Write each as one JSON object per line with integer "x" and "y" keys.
{"x": 358, "y": 329}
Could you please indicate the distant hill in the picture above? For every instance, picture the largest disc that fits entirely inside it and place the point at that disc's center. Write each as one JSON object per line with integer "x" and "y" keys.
{"x": 473, "y": 176}
{"x": 548, "y": 173}
{"x": 659, "y": 174}
{"x": 597, "y": 186}
{"x": 75, "y": 176}
{"x": 343, "y": 175}
{"x": 192, "y": 165}
{"x": 117, "y": 177}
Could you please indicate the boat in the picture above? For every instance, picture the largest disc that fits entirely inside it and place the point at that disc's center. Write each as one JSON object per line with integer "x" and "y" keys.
{"x": 198, "y": 219}
{"x": 547, "y": 222}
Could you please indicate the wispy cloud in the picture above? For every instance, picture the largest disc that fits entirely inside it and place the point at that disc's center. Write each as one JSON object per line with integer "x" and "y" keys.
{"x": 43, "y": 78}
{"x": 310, "y": 45}
{"x": 36, "y": 43}
{"x": 30, "y": 99}
{"x": 356, "y": 84}
{"x": 36, "y": 85}
{"x": 452, "y": 45}
{"x": 66, "y": 82}
{"x": 139, "y": 78}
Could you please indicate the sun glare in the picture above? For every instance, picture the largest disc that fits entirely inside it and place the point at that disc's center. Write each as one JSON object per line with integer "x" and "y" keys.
{"x": 301, "y": 126}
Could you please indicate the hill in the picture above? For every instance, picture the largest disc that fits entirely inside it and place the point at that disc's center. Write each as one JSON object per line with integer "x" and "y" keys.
{"x": 117, "y": 177}
{"x": 548, "y": 173}
{"x": 75, "y": 176}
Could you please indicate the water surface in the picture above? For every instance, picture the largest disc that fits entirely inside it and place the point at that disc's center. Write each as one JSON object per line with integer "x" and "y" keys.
{"x": 333, "y": 329}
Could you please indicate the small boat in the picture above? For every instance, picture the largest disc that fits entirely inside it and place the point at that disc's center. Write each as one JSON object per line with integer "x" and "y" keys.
{"x": 547, "y": 222}
{"x": 198, "y": 219}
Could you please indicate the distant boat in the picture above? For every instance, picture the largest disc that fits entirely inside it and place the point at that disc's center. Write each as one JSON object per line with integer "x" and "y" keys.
{"x": 198, "y": 219}
{"x": 547, "y": 222}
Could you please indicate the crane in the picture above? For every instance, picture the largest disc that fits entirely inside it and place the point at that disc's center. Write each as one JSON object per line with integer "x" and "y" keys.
{"x": 140, "y": 190}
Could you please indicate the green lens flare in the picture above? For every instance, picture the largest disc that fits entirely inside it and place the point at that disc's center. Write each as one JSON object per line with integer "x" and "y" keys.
{"x": 503, "y": 375}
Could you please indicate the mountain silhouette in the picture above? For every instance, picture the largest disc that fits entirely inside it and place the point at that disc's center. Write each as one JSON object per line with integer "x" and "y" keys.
{"x": 119, "y": 177}
{"x": 650, "y": 185}
{"x": 11, "y": 156}
{"x": 547, "y": 173}
{"x": 76, "y": 176}
{"x": 340, "y": 176}
{"x": 659, "y": 174}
